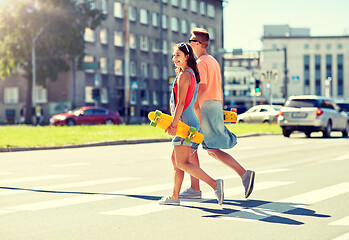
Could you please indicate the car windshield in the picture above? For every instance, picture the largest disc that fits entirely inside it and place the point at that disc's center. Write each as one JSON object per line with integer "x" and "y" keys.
{"x": 76, "y": 111}
{"x": 344, "y": 106}
{"x": 302, "y": 103}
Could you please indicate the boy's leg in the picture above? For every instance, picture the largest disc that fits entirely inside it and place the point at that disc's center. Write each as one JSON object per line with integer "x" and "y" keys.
{"x": 228, "y": 160}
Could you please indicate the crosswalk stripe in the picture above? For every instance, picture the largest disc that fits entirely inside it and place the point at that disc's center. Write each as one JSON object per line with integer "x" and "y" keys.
{"x": 342, "y": 157}
{"x": 344, "y": 221}
{"x": 271, "y": 209}
{"x": 71, "y": 165}
{"x": 67, "y": 185}
{"x": 100, "y": 196}
{"x": 5, "y": 173}
{"x": 33, "y": 179}
{"x": 342, "y": 237}
{"x": 155, "y": 207}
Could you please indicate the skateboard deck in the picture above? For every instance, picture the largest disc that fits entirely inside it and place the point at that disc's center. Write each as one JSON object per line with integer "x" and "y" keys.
{"x": 163, "y": 121}
{"x": 229, "y": 116}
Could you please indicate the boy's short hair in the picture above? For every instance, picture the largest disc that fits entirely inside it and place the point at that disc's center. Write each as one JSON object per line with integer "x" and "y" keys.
{"x": 202, "y": 35}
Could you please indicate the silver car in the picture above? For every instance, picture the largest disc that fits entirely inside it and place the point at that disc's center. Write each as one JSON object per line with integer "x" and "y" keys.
{"x": 260, "y": 114}
{"x": 312, "y": 114}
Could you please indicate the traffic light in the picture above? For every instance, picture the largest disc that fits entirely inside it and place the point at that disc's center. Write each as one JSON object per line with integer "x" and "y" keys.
{"x": 96, "y": 94}
{"x": 257, "y": 88}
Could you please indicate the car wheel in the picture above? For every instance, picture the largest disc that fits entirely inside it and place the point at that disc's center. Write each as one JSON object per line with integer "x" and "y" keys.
{"x": 266, "y": 121}
{"x": 326, "y": 133}
{"x": 241, "y": 121}
{"x": 70, "y": 122}
{"x": 109, "y": 122}
{"x": 307, "y": 133}
{"x": 345, "y": 132}
{"x": 286, "y": 133}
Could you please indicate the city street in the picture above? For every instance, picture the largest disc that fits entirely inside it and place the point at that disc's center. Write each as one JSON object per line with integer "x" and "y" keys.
{"x": 301, "y": 192}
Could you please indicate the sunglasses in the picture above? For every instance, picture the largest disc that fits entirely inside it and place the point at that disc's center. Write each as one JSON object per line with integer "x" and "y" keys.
{"x": 194, "y": 40}
{"x": 186, "y": 47}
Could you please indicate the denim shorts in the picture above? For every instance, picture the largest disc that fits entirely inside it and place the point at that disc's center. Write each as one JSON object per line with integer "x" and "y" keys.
{"x": 217, "y": 136}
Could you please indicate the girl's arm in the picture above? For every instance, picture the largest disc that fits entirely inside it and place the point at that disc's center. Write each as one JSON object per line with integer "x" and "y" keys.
{"x": 184, "y": 80}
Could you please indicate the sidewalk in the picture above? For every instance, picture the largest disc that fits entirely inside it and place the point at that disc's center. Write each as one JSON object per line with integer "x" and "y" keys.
{"x": 108, "y": 143}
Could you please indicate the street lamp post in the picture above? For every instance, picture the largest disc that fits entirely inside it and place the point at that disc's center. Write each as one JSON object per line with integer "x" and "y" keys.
{"x": 34, "y": 67}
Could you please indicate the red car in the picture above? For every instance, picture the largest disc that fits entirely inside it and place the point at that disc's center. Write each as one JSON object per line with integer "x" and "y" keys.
{"x": 86, "y": 115}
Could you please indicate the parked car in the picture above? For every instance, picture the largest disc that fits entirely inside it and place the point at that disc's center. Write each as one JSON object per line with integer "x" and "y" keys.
{"x": 86, "y": 115}
{"x": 312, "y": 114}
{"x": 260, "y": 114}
{"x": 344, "y": 105}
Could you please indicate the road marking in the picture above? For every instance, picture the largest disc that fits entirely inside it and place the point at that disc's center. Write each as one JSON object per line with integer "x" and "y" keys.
{"x": 344, "y": 221}
{"x": 155, "y": 207}
{"x": 343, "y": 157}
{"x": 33, "y": 179}
{"x": 120, "y": 193}
{"x": 71, "y": 165}
{"x": 345, "y": 236}
{"x": 274, "y": 208}
{"x": 67, "y": 185}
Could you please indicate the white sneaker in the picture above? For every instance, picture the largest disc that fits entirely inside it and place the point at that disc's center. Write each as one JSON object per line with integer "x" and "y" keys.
{"x": 169, "y": 201}
{"x": 190, "y": 193}
{"x": 219, "y": 191}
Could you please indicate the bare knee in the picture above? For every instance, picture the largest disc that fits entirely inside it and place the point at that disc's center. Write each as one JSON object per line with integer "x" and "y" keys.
{"x": 212, "y": 153}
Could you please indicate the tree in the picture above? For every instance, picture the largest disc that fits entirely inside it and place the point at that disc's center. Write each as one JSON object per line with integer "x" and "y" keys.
{"x": 56, "y": 27}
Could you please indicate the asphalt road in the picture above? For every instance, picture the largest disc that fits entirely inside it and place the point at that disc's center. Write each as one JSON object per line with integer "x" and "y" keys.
{"x": 111, "y": 192}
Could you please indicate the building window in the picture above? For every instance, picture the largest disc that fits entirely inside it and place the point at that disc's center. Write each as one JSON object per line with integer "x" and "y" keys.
{"x": 118, "y": 39}
{"x": 88, "y": 94}
{"x": 318, "y": 75}
{"x": 11, "y": 95}
{"x": 133, "y": 42}
{"x": 329, "y": 70}
{"x": 156, "y": 74}
{"x": 156, "y": 45}
{"x": 164, "y": 1}
{"x": 193, "y": 5}
{"x": 103, "y": 35}
{"x": 317, "y": 46}
{"x": 164, "y": 73}
{"x": 89, "y": 59}
{"x": 340, "y": 75}
{"x": 144, "y": 70}
{"x": 184, "y": 4}
{"x": 175, "y": 3}
{"x": 202, "y": 8}
{"x": 89, "y": 35}
{"x": 104, "y": 6}
{"x": 144, "y": 97}
{"x": 328, "y": 46}
{"x": 340, "y": 46}
{"x": 184, "y": 26}
{"x": 174, "y": 24}
{"x": 104, "y": 95}
{"x": 41, "y": 94}
{"x": 144, "y": 43}
{"x": 118, "y": 67}
{"x": 118, "y": 11}
{"x": 193, "y": 25}
{"x": 104, "y": 65}
{"x": 133, "y": 69}
{"x": 92, "y": 4}
{"x": 306, "y": 60}
{"x": 143, "y": 16}
{"x": 211, "y": 11}
{"x": 164, "y": 21}
{"x": 306, "y": 46}
{"x": 165, "y": 47}
{"x": 212, "y": 33}
{"x": 155, "y": 19}
{"x": 132, "y": 13}
{"x": 155, "y": 98}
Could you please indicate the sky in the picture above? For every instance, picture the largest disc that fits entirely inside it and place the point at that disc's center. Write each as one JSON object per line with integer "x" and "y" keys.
{"x": 244, "y": 19}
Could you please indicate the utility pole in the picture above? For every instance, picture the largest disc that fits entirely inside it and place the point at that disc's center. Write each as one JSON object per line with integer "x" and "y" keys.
{"x": 127, "y": 63}
{"x": 285, "y": 72}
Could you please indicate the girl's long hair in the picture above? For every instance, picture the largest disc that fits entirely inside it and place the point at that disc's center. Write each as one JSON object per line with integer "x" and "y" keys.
{"x": 184, "y": 47}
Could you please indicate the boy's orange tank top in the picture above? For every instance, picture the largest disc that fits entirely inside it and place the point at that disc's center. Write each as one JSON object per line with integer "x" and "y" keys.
{"x": 210, "y": 74}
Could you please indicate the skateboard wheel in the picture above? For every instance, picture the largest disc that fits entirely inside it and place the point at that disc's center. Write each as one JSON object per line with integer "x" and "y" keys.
{"x": 153, "y": 123}
{"x": 187, "y": 140}
{"x": 192, "y": 130}
{"x": 158, "y": 113}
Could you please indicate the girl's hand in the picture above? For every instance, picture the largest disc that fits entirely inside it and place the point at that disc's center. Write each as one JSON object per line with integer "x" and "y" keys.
{"x": 171, "y": 130}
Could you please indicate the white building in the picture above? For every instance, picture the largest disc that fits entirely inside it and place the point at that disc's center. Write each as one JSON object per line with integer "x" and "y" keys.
{"x": 311, "y": 62}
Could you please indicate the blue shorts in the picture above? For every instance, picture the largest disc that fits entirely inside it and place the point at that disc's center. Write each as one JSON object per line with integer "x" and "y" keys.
{"x": 217, "y": 136}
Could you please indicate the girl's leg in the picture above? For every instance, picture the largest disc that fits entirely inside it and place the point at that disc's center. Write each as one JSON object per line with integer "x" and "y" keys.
{"x": 181, "y": 154}
{"x": 178, "y": 176}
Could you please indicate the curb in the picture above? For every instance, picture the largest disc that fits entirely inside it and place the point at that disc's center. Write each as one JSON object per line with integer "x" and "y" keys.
{"x": 110, "y": 143}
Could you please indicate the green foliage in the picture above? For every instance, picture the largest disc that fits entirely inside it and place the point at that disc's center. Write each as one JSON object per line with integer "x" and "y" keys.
{"x": 62, "y": 23}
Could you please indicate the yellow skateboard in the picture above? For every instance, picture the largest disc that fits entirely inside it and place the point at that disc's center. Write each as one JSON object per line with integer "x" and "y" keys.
{"x": 230, "y": 116}
{"x": 163, "y": 121}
